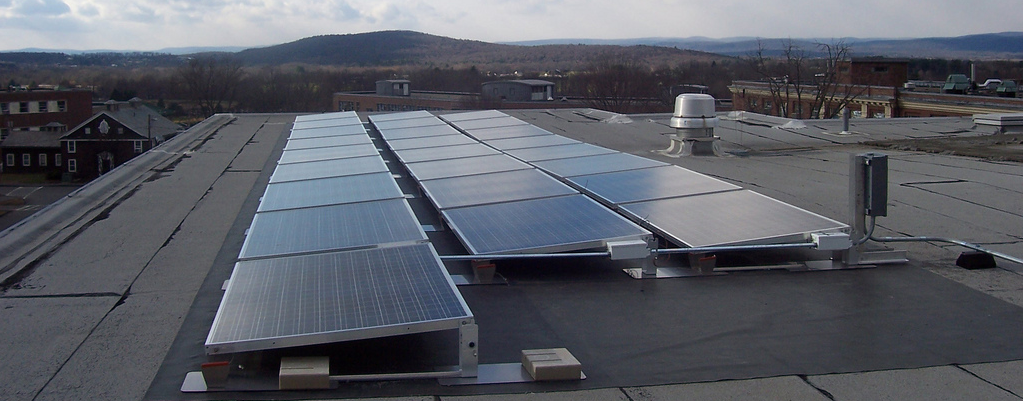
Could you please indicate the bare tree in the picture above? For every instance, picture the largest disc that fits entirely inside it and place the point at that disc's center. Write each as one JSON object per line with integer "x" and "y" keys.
{"x": 614, "y": 82}
{"x": 798, "y": 79}
{"x": 211, "y": 80}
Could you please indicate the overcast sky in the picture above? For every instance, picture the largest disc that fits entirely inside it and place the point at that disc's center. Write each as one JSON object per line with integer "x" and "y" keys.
{"x": 157, "y": 24}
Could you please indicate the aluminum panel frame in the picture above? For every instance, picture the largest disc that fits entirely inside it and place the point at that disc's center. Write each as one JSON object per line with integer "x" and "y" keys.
{"x": 327, "y": 131}
{"x": 327, "y": 142}
{"x": 430, "y": 142}
{"x": 336, "y": 152}
{"x": 516, "y": 131}
{"x": 448, "y": 152}
{"x": 482, "y": 189}
{"x": 532, "y": 155}
{"x": 596, "y": 164}
{"x": 329, "y": 191}
{"x": 437, "y": 169}
{"x": 537, "y": 141}
{"x": 619, "y": 187}
{"x": 392, "y": 134}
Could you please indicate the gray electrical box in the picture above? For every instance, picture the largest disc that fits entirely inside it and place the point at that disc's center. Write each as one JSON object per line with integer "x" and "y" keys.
{"x": 875, "y": 184}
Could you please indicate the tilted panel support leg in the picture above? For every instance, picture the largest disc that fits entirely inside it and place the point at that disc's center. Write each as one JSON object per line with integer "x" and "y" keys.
{"x": 468, "y": 348}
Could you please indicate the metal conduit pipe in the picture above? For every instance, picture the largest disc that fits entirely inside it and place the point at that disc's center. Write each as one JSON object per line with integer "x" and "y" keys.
{"x": 525, "y": 256}
{"x": 950, "y": 241}
{"x": 710, "y": 249}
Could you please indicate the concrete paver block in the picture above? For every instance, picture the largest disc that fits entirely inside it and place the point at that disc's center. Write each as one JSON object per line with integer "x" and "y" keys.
{"x": 774, "y": 388}
{"x": 938, "y": 383}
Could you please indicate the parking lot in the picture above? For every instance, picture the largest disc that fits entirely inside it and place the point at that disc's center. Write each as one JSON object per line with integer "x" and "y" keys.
{"x": 18, "y": 202}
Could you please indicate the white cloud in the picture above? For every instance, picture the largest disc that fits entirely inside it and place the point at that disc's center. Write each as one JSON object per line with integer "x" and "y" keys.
{"x": 36, "y": 8}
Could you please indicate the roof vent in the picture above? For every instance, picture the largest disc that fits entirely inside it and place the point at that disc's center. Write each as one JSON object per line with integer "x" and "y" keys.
{"x": 694, "y": 121}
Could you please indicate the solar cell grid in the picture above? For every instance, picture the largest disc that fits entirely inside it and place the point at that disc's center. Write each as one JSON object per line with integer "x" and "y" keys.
{"x": 391, "y": 134}
{"x": 330, "y": 297}
{"x": 301, "y": 125}
{"x": 328, "y": 168}
{"x": 728, "y": 218}
{"x": 408, "y": 123}
{"x": 336, "y": 152}
{"x": 465, "y": 166}
{"x": 326, "y": 142}
{"x": 531, "y": 142}
{"x": 506, "y": 121}
{"x": 649, "y": 183}
{"x": 492, "y": 188}
{"x": 327, "y": 228}
{"x": 558, "y": 152}
{"x": 400, "y": 116}
{"x": 447, "y": 152}
{"x": 560, "y": 224}
{"x": 430, "y": 142}
{"x": 517, "y": 131}
{"x": 596, "y": 164}
{"x": 473, "y": 115}
{"x": 327, "y": 131}
{"x": 327, "y": 116}
{"x": 329, "y": 191}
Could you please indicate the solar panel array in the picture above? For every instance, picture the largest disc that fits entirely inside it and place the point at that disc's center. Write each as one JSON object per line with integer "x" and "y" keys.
{"x": 334, "y": 252}
{"x": 493, "y": 202}
{"x": 687, "y": 208}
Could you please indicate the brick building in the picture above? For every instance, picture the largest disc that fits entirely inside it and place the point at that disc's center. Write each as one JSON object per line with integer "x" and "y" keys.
{"x": 31, "y": 124}
{"x": 397, "y": 95}
{"x": 111, "y": 138}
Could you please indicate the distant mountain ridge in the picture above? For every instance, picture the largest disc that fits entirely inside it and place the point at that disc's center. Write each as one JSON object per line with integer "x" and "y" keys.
{"x": 1003, "y": 45}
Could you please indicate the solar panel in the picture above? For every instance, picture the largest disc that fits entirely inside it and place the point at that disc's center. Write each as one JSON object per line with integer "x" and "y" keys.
{"x": 506, "y": 121}
{"x": 465, "y": 166}
{"x": 337, "y": 152}
{"x": 327, "y": 116}
{"x": 648, "y": 184}
{"x": 329, "y": 191}
{"x": 517, "y": 131}
{"x": 561, "y": 224}
{"x": 327, "y": 131}
{"x": 391, "y": 134}
{"x": 337, "y": 122}
{"x": 558, "y": 152}
{"x": 430, "y": 142}
{"x": 473, "y": 115}
{"x": 328, "y": 168}
{"x": 596, "y": 164}
{"x": 728, "y": 218}
{"x": 531, "y": 142}
{"x": 400, "y": 116}
{"x": 328, "y": 228}
{"x": 334, "y": 297}
{"x": 493, "y": 188}
{"x": 448, "y": 152}
{"x": 408, "y": 123}
{"x": 327, "y": 141}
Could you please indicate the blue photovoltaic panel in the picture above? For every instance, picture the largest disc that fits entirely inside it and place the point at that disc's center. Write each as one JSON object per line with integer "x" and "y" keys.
{"x": 407, "y": 123}
{"x": 333, "y": 297}
{"x": 337, "y": 152}
{"x": 400, "y": 116}
{"x": 596, "y": 164}
{"x": 728, "y": 218}
{"x": 430, "y": 142}
{"x": 517, "y": 131}
{"x": 531, "y": 142}
{"x": 465, "y": 166}
{"x": 558, "y": 152}
{"x": 329, "y": 191}
{"x": 473, "y": 115}
{"x": 447, "y": 152}
{"x": 482, "y": 189}
{"x": 327, "y": 141}
{"x": 328, "y": 228}
{"x": 327, "y": 116}
{"x": 648, "y": 184}
{"x": 337, "y": 122}
{"x": 418, "y": 132}
{"x": 328, "y": 131}
{"x": 506, "y": 121}
{"x": 328, "y": 168}
{"x": 561, "y": 224}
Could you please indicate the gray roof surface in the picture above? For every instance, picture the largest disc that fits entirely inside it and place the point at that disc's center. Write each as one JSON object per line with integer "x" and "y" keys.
{"x": 99, "y": 292}
{"x": 32, "y": 139}
{"x": 138, "y": 119}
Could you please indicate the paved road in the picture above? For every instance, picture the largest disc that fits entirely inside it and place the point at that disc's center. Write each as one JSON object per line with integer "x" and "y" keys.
{"x": 27, "y": 200}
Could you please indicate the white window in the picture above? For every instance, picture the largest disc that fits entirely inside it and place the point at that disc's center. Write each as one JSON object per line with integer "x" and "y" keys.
{"x": 26, "y": 159}
{"x": 10, "y": 159}
{"x": 120, "y": 131}
{"x": 71, "y": 148}
{"x": 138, "y": 146}
{"x": 72, "y": 165}
{"x": 56, "y": 160}
{"x": 42, "y": 160}
{"x": 88, "y": 130}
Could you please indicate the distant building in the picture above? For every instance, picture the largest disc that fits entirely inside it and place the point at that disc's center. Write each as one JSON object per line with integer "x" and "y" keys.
{"x": 111, "y": 137}
{"x": 29, "y": 152}
{"x": 873, "y": 71}
{"x": 397, "y": 95}
{"x": 521, "y": 90}
{"x": 43, "y": 110}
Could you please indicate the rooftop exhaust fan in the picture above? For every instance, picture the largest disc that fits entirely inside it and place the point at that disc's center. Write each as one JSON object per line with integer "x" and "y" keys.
{"x": 694, "y": 120}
